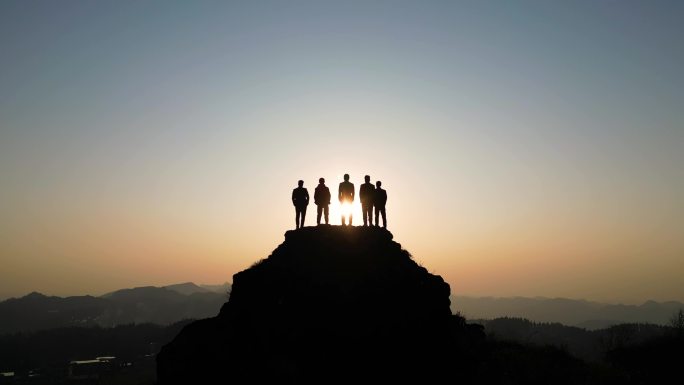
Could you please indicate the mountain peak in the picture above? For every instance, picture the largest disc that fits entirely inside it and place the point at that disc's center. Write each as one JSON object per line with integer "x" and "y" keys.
{"x": 332, "y": 256}
{"x": 34, "y": 295}
{"x": 342, "y": 268}
{"x": 186, "y": 288}
{"x": 329, "y": 299}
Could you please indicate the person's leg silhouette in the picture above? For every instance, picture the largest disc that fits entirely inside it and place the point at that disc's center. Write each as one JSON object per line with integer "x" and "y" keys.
{"x": 303, "y": 216}
{"x": 368, "y": 214}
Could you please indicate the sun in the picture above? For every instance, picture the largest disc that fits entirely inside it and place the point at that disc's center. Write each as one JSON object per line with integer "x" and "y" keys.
{"x": 346, "y": 208}
{"x": 338, "y": 209}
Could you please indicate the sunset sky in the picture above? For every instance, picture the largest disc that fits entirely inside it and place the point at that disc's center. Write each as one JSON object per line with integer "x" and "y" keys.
{"x": 528, "y": 148}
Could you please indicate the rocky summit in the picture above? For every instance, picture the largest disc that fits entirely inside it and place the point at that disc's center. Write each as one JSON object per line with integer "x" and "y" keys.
{"x": 331, "y": 304}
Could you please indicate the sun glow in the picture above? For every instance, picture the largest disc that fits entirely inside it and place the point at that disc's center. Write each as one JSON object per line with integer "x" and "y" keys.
{"x": 346, "y": 209}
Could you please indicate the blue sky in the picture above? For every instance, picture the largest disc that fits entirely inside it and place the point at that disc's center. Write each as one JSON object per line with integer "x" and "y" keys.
{"x": 542, "y": 139}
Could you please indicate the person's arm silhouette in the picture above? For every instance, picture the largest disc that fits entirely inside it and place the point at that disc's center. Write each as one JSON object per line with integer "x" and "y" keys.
{"x": 306, "y": 197}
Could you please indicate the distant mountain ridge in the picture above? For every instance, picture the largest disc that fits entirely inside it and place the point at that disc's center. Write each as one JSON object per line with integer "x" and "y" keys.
{"x": 571, "y": 312}
{"x": 187, "y": 288}
{"x": 149, "y": 304}
{"x": 172, "y": 303}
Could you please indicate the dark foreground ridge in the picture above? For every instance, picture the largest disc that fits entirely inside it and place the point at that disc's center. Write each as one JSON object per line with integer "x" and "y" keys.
{"x": 331, "y": 304}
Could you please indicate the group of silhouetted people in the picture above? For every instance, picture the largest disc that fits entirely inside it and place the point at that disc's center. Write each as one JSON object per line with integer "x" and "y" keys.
{"x": 372, "y": 197}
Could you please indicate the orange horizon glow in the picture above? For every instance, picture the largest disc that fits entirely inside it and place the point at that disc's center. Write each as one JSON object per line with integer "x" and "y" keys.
{"x": 525, "y": 150}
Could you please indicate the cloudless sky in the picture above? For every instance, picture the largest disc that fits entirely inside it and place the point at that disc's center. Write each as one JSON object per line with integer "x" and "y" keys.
{"x": 531, "y": 148}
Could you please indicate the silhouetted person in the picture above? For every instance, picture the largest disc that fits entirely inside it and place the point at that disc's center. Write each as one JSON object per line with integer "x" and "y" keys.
{"x": 346, "y": 196}
{"x": 300, "y": 199}
{"x": 367, "y": 195}
{"x": 379, "y": 202}
{"x": 322, "y": 201}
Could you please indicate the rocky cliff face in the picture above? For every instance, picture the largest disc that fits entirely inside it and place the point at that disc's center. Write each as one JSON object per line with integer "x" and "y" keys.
{"x": 331, "y": 304}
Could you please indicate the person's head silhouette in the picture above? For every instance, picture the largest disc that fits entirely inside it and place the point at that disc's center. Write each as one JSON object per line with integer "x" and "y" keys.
{"x": 321, "y": 180}
{"x": 367, "y": 178}
{"x": 346, "y": 177}
{"x": 300, "y": 183}
{"x": 378, "y": 183}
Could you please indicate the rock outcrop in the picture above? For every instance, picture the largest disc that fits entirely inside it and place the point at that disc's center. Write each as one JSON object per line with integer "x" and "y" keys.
{"x": 331, "y": 304}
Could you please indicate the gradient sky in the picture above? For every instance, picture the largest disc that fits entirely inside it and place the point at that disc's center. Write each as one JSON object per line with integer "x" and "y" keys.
{"x": 531, "y": 148}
